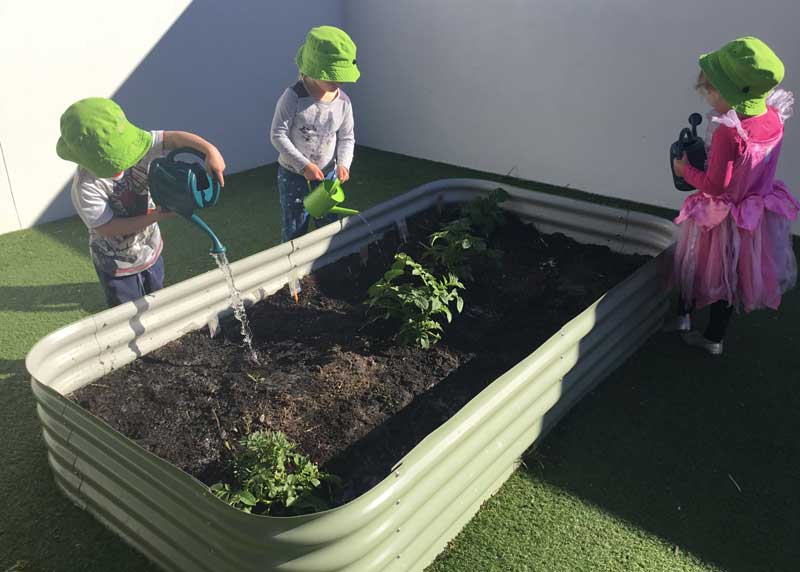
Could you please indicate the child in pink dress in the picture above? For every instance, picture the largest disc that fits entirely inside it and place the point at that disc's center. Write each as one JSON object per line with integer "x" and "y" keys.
{"x": 735, "y": 249}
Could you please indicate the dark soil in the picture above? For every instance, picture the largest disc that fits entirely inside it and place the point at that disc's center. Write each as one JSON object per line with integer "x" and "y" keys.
{"x": 352, "y": 399}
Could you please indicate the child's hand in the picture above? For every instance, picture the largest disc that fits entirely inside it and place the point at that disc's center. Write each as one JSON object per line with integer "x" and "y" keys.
{"x": 679, "y": 164}
{"x": 342, "y": 173}
{"x": 215, "y": 165}
{"x": 313, "y": 173}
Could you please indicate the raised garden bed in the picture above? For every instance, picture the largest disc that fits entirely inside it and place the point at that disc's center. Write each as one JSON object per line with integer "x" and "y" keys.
{"x": 350, "y": 396}
{"x": 353, "y": 401}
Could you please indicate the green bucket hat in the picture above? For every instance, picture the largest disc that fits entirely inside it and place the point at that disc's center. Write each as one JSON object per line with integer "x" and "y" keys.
{"x": 96, "y": 135}
{"x": 328, "y": 54}
{"x": 744, "y": 72}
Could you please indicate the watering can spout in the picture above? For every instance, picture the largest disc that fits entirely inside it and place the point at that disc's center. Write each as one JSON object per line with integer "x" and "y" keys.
{"x": 216, "y": 246}
{"x": 343, "y": 211}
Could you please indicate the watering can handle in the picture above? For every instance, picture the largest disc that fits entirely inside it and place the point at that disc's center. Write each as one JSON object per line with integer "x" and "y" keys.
{"x": 695, "y": 119}
{"x": 189, "y": 150}
{"x": 337, "y": 183}
{"x": 685, "y": 137}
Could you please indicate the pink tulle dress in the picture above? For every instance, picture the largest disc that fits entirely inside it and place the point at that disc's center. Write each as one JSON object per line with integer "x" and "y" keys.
{"x": 735, "y": 243}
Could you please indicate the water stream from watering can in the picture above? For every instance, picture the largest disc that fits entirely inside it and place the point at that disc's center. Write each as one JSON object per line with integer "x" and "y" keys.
{"x": 366, "y": 222}
{"x": 235, "y": 300}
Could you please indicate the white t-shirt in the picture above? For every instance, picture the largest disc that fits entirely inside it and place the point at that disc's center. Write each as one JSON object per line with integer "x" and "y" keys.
{"x": 98, "y": 200}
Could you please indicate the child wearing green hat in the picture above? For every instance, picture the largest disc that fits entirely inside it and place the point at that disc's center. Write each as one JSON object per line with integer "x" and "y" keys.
{"x": 735, "y": 249}
{"x": 312, "y": 128}
{"x": 111, "y": 195}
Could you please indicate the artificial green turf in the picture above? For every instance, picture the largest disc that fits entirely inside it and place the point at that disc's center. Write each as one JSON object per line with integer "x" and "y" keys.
{"x": 640, "y": 476}
{"x": 645, "y": 473}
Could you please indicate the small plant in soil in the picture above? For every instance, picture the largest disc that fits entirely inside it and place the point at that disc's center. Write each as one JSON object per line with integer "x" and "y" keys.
{"x": 410, "y": 294}
{"x": 485, "y": 214}
{"x": 271, "y": 476}
{"x": 456, "y": 248}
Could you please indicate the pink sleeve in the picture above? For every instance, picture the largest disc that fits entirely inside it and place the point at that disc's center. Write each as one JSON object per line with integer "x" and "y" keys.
{"x": 722, "y": 155}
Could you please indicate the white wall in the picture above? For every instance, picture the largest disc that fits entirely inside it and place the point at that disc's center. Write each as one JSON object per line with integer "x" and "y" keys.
{"x": 581, "y": 93}
{"x": 212, "y": 67}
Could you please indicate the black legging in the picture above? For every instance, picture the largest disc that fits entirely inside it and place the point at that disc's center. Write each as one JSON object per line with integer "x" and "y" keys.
{"x": 721, "y": 313}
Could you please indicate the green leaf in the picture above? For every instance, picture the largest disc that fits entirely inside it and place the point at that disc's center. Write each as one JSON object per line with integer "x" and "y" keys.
{"x": 247, "y": 498}
{"x": 393, "y": 273}
{"x": 460, "y": 304}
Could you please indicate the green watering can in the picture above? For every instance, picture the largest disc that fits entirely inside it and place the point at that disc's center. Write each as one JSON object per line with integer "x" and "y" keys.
{"x": 326, "y": 199}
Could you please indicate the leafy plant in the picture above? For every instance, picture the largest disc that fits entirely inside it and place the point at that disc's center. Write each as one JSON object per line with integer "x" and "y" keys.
{"x": 455, "y": 248}
{"x": 411, "y": 294}
{"x": 484, "y": 213}
{"x": 271, "y": 473}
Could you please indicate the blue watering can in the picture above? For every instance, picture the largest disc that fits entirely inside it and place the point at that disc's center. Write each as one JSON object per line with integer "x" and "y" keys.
{"x": 183, "y": 187}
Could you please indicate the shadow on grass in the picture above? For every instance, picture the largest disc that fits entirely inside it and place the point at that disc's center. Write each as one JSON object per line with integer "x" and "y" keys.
{"x": 699, "y": 451}
{"x": 85, "y": 296}
{"x": 13, "y": 370}
{"x": 676, "y": 446}
{"x": 31, "y": 502}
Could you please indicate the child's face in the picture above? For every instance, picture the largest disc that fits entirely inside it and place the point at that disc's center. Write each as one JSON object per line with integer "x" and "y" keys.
{"x": 715, "y": 100}
{"x": 327, "y": 86}
{"x": 711, "y": 94}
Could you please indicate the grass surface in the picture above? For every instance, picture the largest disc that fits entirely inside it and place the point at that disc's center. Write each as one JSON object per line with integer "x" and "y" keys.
{"x": 677, "y": 462}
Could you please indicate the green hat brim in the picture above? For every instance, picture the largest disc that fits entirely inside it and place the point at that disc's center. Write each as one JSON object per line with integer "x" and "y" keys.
{"x": 712, "y": 68}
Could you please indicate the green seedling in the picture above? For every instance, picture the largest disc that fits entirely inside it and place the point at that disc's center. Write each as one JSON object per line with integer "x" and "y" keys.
{"x": 412, "y": 296}
{"x": 270, "y": 475}
{"x": 456, "y": 249}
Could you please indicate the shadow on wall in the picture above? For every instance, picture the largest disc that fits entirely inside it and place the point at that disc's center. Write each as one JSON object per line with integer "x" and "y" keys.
{"x": 218, "y": 72}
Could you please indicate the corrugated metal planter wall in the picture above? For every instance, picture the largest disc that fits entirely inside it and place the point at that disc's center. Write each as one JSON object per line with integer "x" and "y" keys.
{"x": 406, "y": 520}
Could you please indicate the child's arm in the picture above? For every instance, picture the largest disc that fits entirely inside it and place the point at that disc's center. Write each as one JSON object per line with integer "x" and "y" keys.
{"x": 345, "y": 144}
{"x": 722, "y": 156}
{"x": 92, "y": 205}
{"x": 215, "y": 164}
{"x": 279, "y": 137}
{"x": 131, "y": 225}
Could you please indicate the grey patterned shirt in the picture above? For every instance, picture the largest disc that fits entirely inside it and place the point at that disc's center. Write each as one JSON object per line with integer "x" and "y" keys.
{"x": 98, "y": 200}
{"x": 306, "y": 130}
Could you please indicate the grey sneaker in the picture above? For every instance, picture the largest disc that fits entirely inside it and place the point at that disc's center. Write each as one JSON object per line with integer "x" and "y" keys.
{"x": 698, "y": 340}
{"x": 681, "y": 323}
